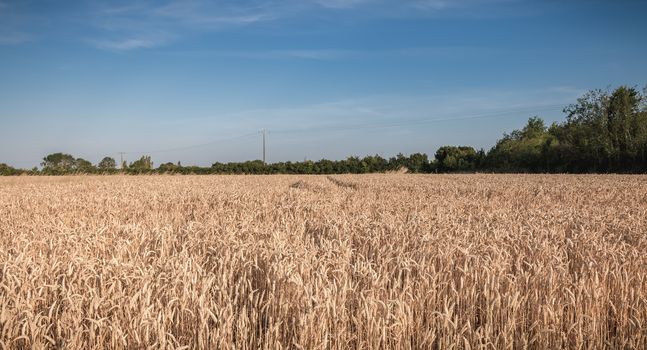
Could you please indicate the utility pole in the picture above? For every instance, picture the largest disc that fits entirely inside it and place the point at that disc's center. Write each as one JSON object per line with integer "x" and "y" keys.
{"x": 263, "y": 131}
{"x": 121, "y": 155}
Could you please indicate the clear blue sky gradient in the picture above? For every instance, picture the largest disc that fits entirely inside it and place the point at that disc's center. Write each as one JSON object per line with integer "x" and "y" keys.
{"x": 195, "y": 80}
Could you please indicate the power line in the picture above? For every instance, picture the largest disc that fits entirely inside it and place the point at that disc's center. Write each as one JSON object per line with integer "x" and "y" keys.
{"x": 121, "y": 156}
{"x": 400, "y": 123}
{"x": 364, "y": 125}
{"x": 166, "y": 150}
{"x": 191, "y": 146}
{"x": 263, "y": 131}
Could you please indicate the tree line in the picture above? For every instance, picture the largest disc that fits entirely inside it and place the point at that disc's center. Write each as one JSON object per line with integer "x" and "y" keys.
{"x": 604, "y": 131}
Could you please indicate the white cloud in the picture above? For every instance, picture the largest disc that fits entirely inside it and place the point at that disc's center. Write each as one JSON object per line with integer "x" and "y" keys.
{"x": 427, "y": 8}
{"x": 122, "y": 9}
{"x": 170, "y": 20}
{"x": 14, "y": 38}
{"x": 335, "y": 54}
{"x": 384, "y": 124}
{"x": 128, "y": 44}
{"x": 196, "y": 13}
{"x": 317, "y": 55}
{"x": 12, "y": 28}
{"x": 141, "y": 24}
{"x": 395, "y": 111}
{"x": 433, "y": 4}
{"x": 191, "y": 14}
{"x": 341, "y": 4}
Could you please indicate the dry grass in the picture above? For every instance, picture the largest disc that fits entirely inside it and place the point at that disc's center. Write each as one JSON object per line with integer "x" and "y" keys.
{"x": 359, "y": 262}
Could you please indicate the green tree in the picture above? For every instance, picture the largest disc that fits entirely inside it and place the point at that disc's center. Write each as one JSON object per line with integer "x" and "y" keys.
{"x": 418, "y": 163}
{"x": 168, "y": 168}
{"x": 582, "y": 143}
{"x": 626, "y": 125}
{"x": 374, "y": 164}
{"x": 84, "y": 166}
{"x": 521, "y": 150}
{"x": 453, "y": 158}
{"x": 59, "y": 163}
{"x": 604, "y": 131}
{"x": 107, "y": 163}
{"x": 6, "y": 170}
{"x": 142, "y": 164}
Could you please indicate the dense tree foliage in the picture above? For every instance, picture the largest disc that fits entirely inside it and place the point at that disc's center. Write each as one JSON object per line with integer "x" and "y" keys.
{"x": 169, "y": 167}
{"x": 107, "y": 163}
{"x": 458, "y": 159}
{"x": 6, "y": 170}
{"x": 84, "y": 166}
{"x": 58, "y": 163}
{"x": 604, "y": 131}
{"x": 521, "y": 150}
{"x": 143, "y": 164}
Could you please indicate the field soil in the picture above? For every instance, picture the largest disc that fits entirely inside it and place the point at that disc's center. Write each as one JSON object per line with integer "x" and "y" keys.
{"x": 390, "y": 261}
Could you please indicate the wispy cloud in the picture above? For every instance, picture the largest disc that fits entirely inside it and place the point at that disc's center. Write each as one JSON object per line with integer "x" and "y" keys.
{"x": 322, "y": 55}
{"x": 409, "y": 7}
{"x": 144, "y": 24}
{"x": 303, "y": 54}
{"x": 342, "y": 4}
{"x": 469, "y": 8}
{"x": 454, "y": 4}
{"x": 128, "y": 43}
{"x": 336, "y": 54}
{"x": 317, "y": 55}
{"x": 385, "y": 124}
{"x": 398, "y": 110}
{"x": 426, "y": 8}
{"x": 436, "y": 4}
{"x": 198, "y": 13}
{"x": 12, "y": 28}
{"x": 14, "y": 38}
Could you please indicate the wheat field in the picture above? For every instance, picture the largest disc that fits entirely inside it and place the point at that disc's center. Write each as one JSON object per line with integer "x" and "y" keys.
{"x": 390, "y": 261}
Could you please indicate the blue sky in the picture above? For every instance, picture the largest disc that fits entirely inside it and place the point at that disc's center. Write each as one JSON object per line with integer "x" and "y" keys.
{"x": 194, "y": 80}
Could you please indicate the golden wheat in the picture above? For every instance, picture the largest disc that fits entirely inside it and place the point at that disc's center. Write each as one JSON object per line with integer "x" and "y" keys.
{"x": 313, "y": 262}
